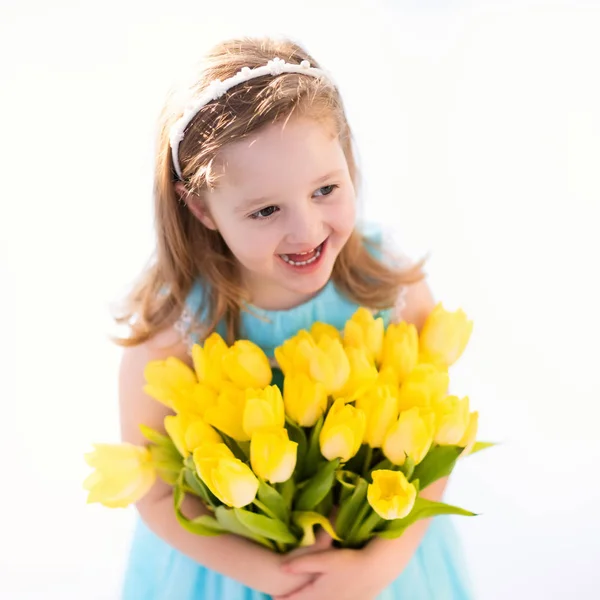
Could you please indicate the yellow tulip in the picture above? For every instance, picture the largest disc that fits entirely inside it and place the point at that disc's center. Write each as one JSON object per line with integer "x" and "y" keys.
{"x": 202, "y": 397}
{"x": 400, "y": 349}
{"x": 318, "y": 330}
{"x": 343, "y": 431}
{"x": 208, "y": 361}
{"x": 451, "y": 420}
{"x": 227, "y": 477}
{"x": 272, "y": 454}
{"x": 363, "y": 374}
{"x": 391, "y": 495}
{"x": 294, "y": 353}
{"x": 227, "y": 413}
{"x": 247, "y": 365}
{"x": 264, "y": 408}
{"x": 445, "y": 335}
{"x": 324, "y": 361}
{"x": 123, "y": 474}
{"x": 305, "y": 400}
{"x": 329, "y": 364}
{"x": 411, "y": 435}
{"x": 423, "y": 386}
{"x": 363, "y": 330}
{"x": 380, "y": 405}
{"x": 169, "y": 381}
{"x": 468, "y": 440}
{"x": 188, "y": 432}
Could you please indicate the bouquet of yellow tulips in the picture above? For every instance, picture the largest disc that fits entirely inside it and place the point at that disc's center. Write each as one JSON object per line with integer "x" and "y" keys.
{"x": 353, "y": 423}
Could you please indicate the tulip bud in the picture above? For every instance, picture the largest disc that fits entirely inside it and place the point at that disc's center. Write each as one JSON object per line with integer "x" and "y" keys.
{"x": 208, "y": 361}
{"x": 411, "y": 435}
{"x": 380, "y": 405}
{"x": 264, "y": 408}
{"x": 342, "y": 432}
{"x": 468, "y": 440}
{"x": 400, "y": 349}
{"x": 391, "y": 495}
{"x": 227, "y": 477}
{"x": 452, "y": 420}
{"x": 445, "y": 335}
{"x": 247, "y": 366}
{"x": 422, "y": 387}
{"x": 364, "y": 331}
{"x": 169, "y": 381}
{"x": 305, "y": 400}
{"x": 227, "y": 414}
{"x": 272, "y": 454}
{"x": 123, "y": 474}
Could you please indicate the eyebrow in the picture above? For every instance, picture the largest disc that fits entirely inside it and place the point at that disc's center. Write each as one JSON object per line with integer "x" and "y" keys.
{"x": 248, "y": 204}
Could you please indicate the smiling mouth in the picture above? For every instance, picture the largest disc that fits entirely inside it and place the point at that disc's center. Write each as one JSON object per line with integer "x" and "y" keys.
{"x": 303, "y": 258}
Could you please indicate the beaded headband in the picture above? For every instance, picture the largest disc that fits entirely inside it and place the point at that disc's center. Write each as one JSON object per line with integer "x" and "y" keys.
{"x": 217, "y": 88}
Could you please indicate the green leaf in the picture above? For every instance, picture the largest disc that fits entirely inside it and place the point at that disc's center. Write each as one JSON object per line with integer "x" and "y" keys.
{"x": 234, "y": 446}
{"x": 287, "y": 490}
{"x": 423, "y": 509}
{"x": 277, "y": 378}
{"x": 307, "y": 520}
{"x": 357, "y": 462}
{"x": 347, "y": 481}
{"x": 227, "y": 518}
{"x": 363, "y": 534}
{"x": 438, "y": 463}
{"x": 167, "y": 461}
{"x": 203, "y": 525}
{"x": 316, "y": 488}
{"x": 481, "y": 446}
{"x": 199, "y": 488}
{"x": 274, "y": 501}
{"x": 155, "y": 437}
{"x": 349, "y": 509}
{"x": 296, "y": 434}
{"x": 313, "y": 454}
{"x": 385, "y": 465}
{"x": 272, "y": 529}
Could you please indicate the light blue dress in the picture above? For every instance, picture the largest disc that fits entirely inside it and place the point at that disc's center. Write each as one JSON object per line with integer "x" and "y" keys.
{"x": 156, "y": 571}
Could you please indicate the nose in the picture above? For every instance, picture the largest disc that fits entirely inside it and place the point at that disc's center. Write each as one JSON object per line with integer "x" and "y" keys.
{"x": 305, "y": 228}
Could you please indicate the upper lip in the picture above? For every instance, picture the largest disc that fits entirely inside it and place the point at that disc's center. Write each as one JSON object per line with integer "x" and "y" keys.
{"x": 305, "y": 251}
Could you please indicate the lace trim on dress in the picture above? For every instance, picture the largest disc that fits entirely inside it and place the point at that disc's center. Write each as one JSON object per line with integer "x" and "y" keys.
{"x": 183, "y": 326}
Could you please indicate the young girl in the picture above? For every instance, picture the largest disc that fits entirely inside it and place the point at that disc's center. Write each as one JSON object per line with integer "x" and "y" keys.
{"x": 257, "y": 238}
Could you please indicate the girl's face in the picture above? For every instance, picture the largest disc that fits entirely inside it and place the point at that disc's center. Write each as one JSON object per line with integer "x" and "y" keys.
{"x": 285, "y": 206}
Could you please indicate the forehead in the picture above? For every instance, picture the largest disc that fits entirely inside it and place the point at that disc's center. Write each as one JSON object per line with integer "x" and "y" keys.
{"x": 281, "y": 153}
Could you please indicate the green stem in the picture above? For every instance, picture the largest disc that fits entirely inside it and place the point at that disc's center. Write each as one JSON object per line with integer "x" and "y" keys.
{"x": 368, "y": 459}
{"x": 265, "y": 509}
{"x": 280, "y": 546}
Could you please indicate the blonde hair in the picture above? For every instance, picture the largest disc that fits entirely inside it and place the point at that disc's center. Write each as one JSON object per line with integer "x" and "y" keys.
{"x": 187, "y": 251}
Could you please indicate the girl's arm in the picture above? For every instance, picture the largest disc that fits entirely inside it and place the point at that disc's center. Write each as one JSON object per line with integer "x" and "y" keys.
{"x": 233, "y": 556}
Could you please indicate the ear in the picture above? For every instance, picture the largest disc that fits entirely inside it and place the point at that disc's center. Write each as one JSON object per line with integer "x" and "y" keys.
{"x": 197, "y": 206}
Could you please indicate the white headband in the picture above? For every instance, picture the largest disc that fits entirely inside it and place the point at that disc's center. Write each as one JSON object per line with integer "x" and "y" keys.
{"x": 217, "y": 88}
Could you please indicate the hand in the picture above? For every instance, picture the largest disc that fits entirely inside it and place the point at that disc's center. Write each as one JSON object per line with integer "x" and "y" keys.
{"x": 338, "y": 573}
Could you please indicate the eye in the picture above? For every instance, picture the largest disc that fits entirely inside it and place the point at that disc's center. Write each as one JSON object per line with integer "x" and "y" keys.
{"x": 264, "y": 213}
{"x": 326, "y": 190}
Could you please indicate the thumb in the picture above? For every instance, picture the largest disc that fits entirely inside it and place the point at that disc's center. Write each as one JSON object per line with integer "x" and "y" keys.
{"x": 315, "y": 562}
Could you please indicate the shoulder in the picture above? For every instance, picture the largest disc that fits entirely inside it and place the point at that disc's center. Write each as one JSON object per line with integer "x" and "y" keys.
{"x": 415, "y": 303}
{"x": 135, "y": 406}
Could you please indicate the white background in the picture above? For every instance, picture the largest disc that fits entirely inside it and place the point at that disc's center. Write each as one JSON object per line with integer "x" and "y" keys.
{"x": 478, "y": 125}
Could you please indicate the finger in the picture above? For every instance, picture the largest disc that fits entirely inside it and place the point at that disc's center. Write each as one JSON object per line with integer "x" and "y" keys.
{"x": 322, "y": 540}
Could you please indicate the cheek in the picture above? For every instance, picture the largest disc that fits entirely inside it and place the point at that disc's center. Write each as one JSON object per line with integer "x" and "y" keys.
{"x": 252, "y": 245}
{"x": 342, "y": 215}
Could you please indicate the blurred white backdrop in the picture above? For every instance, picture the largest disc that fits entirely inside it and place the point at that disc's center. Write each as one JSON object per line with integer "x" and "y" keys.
{"x": 478, "y": 127}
